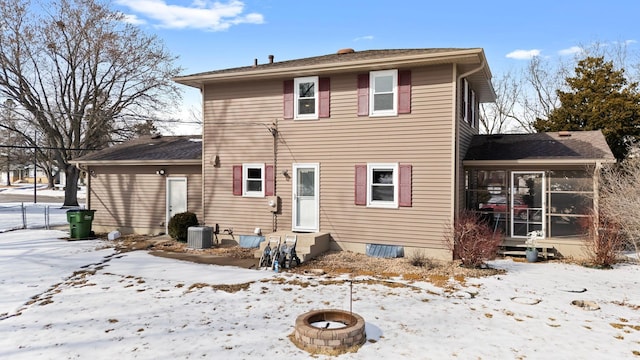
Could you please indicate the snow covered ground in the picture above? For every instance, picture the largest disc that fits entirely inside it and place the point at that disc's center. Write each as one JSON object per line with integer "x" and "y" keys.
{"x": 37, "y": 215}
{"x": 64, "y": 300}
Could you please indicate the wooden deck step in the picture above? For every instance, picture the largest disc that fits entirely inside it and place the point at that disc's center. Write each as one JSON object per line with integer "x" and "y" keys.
{"x": 513, "y": 248}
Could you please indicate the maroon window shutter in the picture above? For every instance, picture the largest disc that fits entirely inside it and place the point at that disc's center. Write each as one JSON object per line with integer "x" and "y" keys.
{"x": 404, "y": 192}
{"x": 269, "y": 181}
{"x": 363, "y": 94}
{"x": 404, "y": 92}
{"x": 361, "y": 185}
{"x": 325, "y": 97}
{"x": 237, "y": 179}
{"x": 288, "y": 99}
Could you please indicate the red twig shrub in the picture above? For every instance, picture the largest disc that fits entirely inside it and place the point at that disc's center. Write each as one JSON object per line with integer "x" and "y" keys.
{"x": 472, "y": 239}
{"x": 604, "y": 241}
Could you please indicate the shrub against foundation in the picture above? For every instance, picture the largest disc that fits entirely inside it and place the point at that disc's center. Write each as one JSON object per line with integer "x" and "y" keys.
{"x": 179, "y": 225}
{"x": 605, "y": 239}
{"x": 472, "y": 240}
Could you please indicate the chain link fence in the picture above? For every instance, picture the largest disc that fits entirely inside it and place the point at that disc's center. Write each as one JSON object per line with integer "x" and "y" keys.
{"x": 31, "y": 216}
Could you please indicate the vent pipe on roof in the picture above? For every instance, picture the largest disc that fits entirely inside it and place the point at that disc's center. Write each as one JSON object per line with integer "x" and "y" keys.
{"x": 255, "y": 62}
{"x": 345, "y": 51}
{"x": 271, "y": 59}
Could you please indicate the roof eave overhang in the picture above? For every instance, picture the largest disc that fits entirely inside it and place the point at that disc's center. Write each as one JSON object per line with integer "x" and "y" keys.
{"x": 468, "y": 56}
{"x": 79, "y": 163}
{"x": 535, "y": 162}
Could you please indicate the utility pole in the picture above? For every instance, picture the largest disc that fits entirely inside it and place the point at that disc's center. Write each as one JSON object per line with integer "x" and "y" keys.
{"x": 8, "y": 107}
{"x": 35, "y": 165}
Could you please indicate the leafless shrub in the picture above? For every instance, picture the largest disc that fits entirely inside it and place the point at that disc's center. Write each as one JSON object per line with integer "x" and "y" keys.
{"x": 472, "y": 240}
{"x": 604, "y": 241}
{"x": 620, "y": 197}
{"x": 419, "y": 259}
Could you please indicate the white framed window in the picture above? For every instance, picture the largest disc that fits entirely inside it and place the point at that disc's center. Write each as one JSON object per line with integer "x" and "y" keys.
{"x": 305, "y": 103}
{"x": 383, "y": 95}
{"x": 473, "y": 109}
{"x": 382, "y": 185}
{"x": 465, "y": 100}
{"x": 253, "y": 180}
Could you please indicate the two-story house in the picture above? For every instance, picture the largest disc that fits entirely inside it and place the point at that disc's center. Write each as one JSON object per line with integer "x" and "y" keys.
{"x": 373, "y": 151}
{"x": 363, "y": 146}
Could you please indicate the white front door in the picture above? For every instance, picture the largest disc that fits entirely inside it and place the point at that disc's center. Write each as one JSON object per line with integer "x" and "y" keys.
{"x": 176, "y": 197}
{"x": 306, "y": 190}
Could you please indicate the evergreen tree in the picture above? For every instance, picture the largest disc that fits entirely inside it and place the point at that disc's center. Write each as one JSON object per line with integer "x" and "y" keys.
{"x": 599, "y": 98}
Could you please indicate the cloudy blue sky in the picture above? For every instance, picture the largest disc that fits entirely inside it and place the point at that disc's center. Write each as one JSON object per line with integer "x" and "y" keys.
{"x": 209, "y": 35}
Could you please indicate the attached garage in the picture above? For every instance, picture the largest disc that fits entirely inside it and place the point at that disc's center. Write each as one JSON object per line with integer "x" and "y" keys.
{"x": 137, "y": 186}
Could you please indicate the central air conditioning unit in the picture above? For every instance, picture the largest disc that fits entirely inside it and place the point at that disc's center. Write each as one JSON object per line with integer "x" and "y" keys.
{"x": 199, "y": 237}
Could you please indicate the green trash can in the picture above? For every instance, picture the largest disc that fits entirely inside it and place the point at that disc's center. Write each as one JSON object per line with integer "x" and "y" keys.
{"x": 80, "y": 223}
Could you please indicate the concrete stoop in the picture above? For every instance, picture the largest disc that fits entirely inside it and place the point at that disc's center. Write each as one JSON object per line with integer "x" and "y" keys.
{"x": 308, "y": 245}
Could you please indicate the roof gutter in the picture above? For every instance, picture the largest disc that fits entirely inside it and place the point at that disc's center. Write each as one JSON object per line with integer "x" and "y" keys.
{"x": 537, "y": 162}
{"x": 79, "y": 164}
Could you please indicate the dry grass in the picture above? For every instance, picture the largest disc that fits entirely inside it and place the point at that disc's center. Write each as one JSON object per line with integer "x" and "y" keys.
{"x": 332, "y": 263}
{"x": 355, "y": 264}
{"x": 146, "y": 242}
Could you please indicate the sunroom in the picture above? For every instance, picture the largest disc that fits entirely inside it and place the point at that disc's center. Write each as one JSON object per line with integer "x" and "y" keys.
{"x": 545, "y": 181}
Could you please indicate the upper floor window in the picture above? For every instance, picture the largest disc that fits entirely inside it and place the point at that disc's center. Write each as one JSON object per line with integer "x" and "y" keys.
{"x": 253, "y": 180}
{"x": 469, "y": 104}
{"x": 383, "y": 93}
{"x": 306, "y": 98}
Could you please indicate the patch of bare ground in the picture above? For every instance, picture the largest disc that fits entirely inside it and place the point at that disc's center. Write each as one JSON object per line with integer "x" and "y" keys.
{"x": 416, "y": 268}
{"x": 356, "y": 264}
{"x": 147, "y": 242}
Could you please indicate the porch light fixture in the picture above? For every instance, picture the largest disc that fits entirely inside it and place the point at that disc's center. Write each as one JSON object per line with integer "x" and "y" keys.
{"x": 161, "y": 172}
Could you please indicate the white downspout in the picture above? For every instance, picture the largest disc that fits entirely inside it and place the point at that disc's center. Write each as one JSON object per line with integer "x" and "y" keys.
{"x": 457, "y": 167}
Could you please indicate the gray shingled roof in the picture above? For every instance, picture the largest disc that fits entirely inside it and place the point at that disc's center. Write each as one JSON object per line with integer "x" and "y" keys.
{"x": 468, "y": 60}
{"x": 574, "y": 145}
{"x": 147, "y": 148}
{"x": 334, "y": 59}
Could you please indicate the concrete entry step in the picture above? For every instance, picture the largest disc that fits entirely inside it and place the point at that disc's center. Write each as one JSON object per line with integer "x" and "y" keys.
{"x": 308, "y": 245}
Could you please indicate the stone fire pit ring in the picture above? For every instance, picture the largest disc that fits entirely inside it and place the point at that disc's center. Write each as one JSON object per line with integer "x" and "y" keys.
{"x": 334, "y": 341}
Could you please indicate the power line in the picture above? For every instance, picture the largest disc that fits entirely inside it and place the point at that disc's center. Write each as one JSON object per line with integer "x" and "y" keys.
{"x": 43, "y": 147}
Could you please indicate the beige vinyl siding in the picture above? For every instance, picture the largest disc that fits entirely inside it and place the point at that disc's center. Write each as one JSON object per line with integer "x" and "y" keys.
{"x": 237, "y": 131}
{"x": 465, "y": 135}
{"x": 133, "y": 198}
{"x": 338, "y": 143}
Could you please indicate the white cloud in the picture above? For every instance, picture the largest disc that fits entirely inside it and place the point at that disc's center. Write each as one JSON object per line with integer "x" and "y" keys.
{"x": 626, "y": 42}
{"x": 571, "y": 51}
{"x": 201, "y": 14}
{"x": 132, "y": 19}
{"x": 523, "y": 54}
{"x": 366, "y": 37}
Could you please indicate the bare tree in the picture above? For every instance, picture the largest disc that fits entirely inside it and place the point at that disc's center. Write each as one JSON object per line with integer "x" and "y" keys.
{"x": 620, "y": 195}
{"x": 82, "y": 74}
{"x": 499, "y": 117}
{"x": 543, "y": 79}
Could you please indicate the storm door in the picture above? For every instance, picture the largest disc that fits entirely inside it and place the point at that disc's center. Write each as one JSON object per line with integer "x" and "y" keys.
{"x": 176, "y": 197}
{"x": 527, "y": 202}
{"x": 305, "y": 197}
